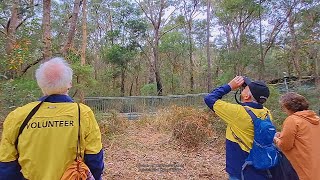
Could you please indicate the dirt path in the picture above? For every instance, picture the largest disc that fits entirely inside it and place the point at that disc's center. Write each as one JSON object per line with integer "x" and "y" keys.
{"x": 145, "y": 153}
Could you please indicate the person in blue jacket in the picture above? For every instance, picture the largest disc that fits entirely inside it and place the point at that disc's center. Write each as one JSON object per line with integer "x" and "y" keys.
{"x": 239, "y": 131}
{"x": 48, "y": 143}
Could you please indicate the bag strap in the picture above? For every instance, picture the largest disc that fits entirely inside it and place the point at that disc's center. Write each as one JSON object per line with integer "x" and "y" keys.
{"x": 25, "y": 122}
{"x": 252, "y": 115}
{"x": 79, "y": 136}
{"x": 239, "y": 140}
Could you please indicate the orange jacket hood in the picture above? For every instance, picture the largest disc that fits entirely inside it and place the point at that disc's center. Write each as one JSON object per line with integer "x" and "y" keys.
{"x": 308, "y": 115}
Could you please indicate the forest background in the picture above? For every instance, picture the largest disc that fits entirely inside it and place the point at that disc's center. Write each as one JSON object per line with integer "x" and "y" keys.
{"x": 156, "y": 47}
{"x": 152, "y": 48}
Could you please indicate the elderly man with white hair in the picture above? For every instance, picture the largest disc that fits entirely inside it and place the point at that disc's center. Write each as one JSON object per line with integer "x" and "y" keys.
{"x": 40, "y": 139}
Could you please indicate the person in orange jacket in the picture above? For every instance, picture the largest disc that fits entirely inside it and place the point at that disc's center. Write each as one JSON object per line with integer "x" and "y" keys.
{"x": 298, "y": 139}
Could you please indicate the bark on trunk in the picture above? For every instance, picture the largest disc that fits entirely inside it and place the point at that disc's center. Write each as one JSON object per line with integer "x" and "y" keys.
{"x": 294, "y": 46}
{"x": 123, "y": 74}
{"x": 46, "y": 25}
{"x": 156, "y": 59}
{"x": 190, "y": 56}
{"x": 84, "y": 32}
{"x": 84, "y": 44}
{"x": 72, "y": 27}
{"x": 209, "y": 63}
{"x": 11, "y": 28}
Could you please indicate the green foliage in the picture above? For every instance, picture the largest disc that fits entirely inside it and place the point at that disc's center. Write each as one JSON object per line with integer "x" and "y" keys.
{"x": 15, "y": 93}
{"x": 273, "y": 105}
{"x": 149, "y": 90}
{"x": 119, "y": 55}
{"x": 84, "y": 75}
{"x": 232, "y": 8}
{"x": 224, "y": 78}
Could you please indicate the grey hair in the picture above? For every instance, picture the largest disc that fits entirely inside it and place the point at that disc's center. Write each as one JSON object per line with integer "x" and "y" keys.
{"x": 54, "y": 76}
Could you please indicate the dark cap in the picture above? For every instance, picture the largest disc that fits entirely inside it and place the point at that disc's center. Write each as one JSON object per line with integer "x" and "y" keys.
{"x": 259, "y": 90}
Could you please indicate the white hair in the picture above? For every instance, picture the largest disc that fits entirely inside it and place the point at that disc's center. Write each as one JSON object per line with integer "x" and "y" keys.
{"x": 54, "y": 76}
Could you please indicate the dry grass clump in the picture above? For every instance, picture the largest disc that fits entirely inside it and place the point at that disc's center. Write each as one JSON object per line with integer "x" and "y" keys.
{"x": 190, "y": 127}
{"x": 112, "y": 125}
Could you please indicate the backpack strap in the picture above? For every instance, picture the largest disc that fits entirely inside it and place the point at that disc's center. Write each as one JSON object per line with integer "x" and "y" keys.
{"x": 252, "y": 115}
{"x": 78, "y": 155}
{"x": 245, "y": 164}
{"x": 25, "y": 122}
{"x": 238, "y": 139}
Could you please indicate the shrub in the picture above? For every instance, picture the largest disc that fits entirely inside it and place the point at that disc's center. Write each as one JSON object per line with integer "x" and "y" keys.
{"x": 112, "y": 124}
{"x": 149, "y": 90}
{"x": 15, "y": 93}
{"x": 191, "y": 127}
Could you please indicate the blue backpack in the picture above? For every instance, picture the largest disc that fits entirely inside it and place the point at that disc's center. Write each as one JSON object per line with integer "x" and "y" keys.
{"x": 264, "y": 154}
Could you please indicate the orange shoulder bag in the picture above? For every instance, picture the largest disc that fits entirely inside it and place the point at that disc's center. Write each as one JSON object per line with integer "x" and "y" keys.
{"x": 78, "y": 170}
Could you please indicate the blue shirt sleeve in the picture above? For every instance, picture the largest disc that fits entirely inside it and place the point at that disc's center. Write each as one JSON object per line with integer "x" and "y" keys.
{"x": 10, "y": 170}
{"x": 95, "y": 164}
{"x": 216, "y": 94}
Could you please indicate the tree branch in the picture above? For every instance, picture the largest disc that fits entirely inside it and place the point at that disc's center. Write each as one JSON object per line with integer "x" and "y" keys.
{"x": 165, "y": 21}
{"x": 22, "y": 22}
{"x": 29, "y": 66}
{"x": 145, "y": 12}
{"x": 3, "y": 32}
{"x": 168, "y": 30}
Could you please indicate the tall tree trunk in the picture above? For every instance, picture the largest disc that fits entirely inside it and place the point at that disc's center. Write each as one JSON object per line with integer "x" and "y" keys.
{"x": 155, "y": 17}
{"x": 190, "y": 56}
{"x": 294, "y": 46}
{"x": 84, "y": 33}
{"x": 190, "y": 8}
{"x": 11, "y": 28}
{"x": 11, "y": 35}
{"x": 84, "y": 43}
{"x": 209, "y": 73}
{"x": 123, "y": 74}
{"x": 156, "y": 59}
{"x": 111, "y": 26}
{"x": 137, "y": 84}
{"x": 72, "y": 27}
{"x": 46, "y": 26}
{"x": 151, "y": 76}
{"x": 316, "y": 68}
{"x": 261, "y": 67}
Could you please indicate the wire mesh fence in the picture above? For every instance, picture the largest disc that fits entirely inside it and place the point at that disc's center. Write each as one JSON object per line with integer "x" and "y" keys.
{"x": 150, "y": 104}
{"x": 143, "y": 104}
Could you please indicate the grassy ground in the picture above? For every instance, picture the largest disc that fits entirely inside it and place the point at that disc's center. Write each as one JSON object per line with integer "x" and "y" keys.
{"x": 147, "y": 149}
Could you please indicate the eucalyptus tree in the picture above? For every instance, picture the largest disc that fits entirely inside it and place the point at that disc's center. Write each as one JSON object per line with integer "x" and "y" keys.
{"x": 15, "y": 15}
{"x": 72, "y": 27}
{"x": 237, "y": 19}
{"x": 124, "y": 37}
{"x": 276, "y": 14}
{"x": 310, "y": 38}
{"x": 97, "y": 26}
{"x": 209, "y": 63}
{"x": 190, "y": 10}
{"x": 173, "y": 47}
{"x": 46, "y": 25}
{"x": 303, "y": 35}
{"x": 154, "y": 11}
